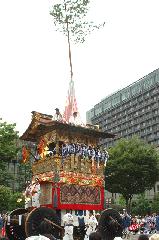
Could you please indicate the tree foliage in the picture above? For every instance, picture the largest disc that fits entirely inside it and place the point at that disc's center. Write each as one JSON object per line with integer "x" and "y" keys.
{"x": 16, "y": 200}
{"x": 8, "y": 138}
{"x": 132, "y": 168}
{"x": 9, "y": 200}
{"x": 141, "y": 206}
{"x": 8, "y": 150}
{"x": 70, "y": 18}
{"x": 155, "y": 204}
{"x": 5, "y": 193}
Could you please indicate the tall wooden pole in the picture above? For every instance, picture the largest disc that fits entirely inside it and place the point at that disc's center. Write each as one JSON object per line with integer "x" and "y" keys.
{"x": 69, "y": 45}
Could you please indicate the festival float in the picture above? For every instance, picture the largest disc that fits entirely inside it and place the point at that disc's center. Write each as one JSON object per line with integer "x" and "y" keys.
{"x": 69, "y": 164}
{"x": 67, "y": 161}
{"x": 67, "y": 171}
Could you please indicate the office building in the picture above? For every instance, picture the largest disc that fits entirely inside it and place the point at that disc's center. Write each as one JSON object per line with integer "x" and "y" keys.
{"x": 131, "y": 110}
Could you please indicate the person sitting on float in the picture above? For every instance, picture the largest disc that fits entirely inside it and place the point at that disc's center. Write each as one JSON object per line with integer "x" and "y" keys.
{"x": 57, "y": 116}
{"x": 36, "y": 191}
{"x": 28, "y": 195}
{"x": 74, "y": 119}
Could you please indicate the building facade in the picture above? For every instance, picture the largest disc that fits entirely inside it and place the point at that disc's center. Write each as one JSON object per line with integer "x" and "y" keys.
{"x": 133, "y": 110}
{"x": 19, "y": 174}
{"x": 18, "y": 171}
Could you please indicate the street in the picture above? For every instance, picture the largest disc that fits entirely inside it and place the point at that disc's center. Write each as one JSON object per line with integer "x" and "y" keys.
{"x": 135, "y": 237}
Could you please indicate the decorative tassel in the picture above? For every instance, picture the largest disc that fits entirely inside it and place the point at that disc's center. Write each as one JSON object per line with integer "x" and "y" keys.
{"x": 105, "y": 163}
{"x": 98, "y": 163}
{"x": 92, "y": 162}
{"x": 8, "y": 222}
{"x": 55, "y": 199}
{"x": 20, "y": 220}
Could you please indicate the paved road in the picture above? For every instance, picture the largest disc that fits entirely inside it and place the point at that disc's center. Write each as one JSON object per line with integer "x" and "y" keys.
{"x": 135, "y": 237}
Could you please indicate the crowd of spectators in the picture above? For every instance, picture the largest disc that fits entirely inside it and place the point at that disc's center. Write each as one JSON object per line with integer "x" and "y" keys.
{"x": 148, "y": 224}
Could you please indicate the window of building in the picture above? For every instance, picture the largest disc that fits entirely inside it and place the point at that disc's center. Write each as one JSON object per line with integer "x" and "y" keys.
{"x": 149, "y": 129}
{"x": 139, "y": 99}
{"x": 154, "y": 119}
{"x": 157, "y": 77}
{"x": 147, "y": 95}
{"x": 154, "y": 91}
{"x": 125, "y": 94}
{"x": 155, "y": 128}
{"x": 135, "y": 101}
{"x": 149, "y": 121}
{"x": 136, "y": 89}
{"x": 131, "y": 122}
{"x": 98, "y": 109}
{"x": 155, "y": 112}
{"x": 148, "y": 82}
{"x": 116, "y": 99}
{"x": 144, "y": 130}
{"x": 138, "y": 126}
{"x": 106, "y": 105}
{"x": 128, "y": 104}
{"x": 90, "y": 115}
{"x": 154, "y": 98}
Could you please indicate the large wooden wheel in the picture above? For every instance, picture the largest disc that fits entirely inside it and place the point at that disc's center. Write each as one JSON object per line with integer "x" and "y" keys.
{"x": 37, "y": 216}
{"x": 14, "y": 231}
{"x": 110, "y": 224}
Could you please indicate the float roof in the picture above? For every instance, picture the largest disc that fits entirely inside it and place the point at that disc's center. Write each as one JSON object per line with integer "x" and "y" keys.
{"x": 42, "y": 124}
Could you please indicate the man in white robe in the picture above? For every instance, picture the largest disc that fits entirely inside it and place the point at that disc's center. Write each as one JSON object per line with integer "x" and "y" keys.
{"x": 28, "y": 195}
{"x": 91, "y": 225}
{"x": 36, "y": 193}
{"x": 68, "y": 226}
{"x": 74, "y": 119}
{"x": 57, "y": 116}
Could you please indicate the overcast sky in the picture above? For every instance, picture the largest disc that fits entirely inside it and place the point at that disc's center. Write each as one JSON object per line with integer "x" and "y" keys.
{"x": 34, "y": 70}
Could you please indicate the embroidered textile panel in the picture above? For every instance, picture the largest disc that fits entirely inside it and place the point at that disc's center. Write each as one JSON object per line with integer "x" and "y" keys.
{"x": 75, "y": 194}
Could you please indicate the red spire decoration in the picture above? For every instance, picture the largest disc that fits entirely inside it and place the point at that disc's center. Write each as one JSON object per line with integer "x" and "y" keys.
{"x": 71, "y": 103}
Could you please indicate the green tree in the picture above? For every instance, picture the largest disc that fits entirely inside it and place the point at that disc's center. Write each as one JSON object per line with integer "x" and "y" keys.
{"x": 119, "y": 204}
{"x": 132, "y": 168}
{"x": 141, "y": 206}
{"x": 8, "y": 149}
{"x": 121, "y": 201}
{"x": 70, "y": 18}
{"x": 8, "y": 138}
{"x": 5, "y": 194}
{"x": 16, "y": 200}
{"x": 9, "y": 200}
{"x": 155, "y": 204}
